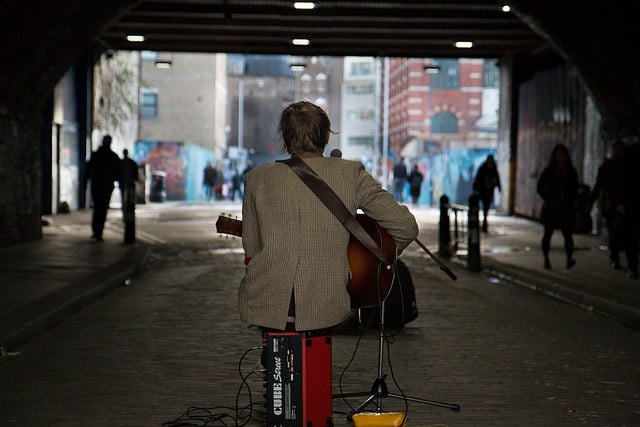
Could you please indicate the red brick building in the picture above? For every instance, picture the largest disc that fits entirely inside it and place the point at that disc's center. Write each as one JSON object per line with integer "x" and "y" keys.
{"x": 446, "y": 102}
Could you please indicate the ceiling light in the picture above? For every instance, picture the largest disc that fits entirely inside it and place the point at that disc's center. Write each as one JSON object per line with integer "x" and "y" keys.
{"x": 163, "y": 65}
{"x": 307, "y": 5}
{"x": 506, "y": 8}
{"x": 464, "y": 44}
{"x": 297, "y": 67}
{"x": 300, "y": 42}
{"x": 136, "y": 38}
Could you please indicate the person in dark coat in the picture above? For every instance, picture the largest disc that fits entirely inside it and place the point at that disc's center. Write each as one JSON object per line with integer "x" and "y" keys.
{"x": 236, "y": 185}
{"x": 415, "y": 184}
{"x": 631, "y": 202}
{"x": 609, "y": 190}
{"x": 209, "y": 180}
{"x": 485, "y": 182}
{"x": 399, "y": 179}
{"x": 103, "y": 170}
{"x": 558, "y": 187}
{"x": 128, "y": 176}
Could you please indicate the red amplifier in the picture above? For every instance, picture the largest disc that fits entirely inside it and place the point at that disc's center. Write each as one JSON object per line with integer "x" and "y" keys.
{"x": 298, "y": 379}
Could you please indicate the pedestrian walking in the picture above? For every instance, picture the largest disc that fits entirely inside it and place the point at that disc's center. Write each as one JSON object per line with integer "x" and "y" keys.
{"x": 631, "y": 197}
{"x": 487, "y": 179}
{"x": 236, "y": 186}
{"x": 415, "y": 184}
{"x": 208, "y": 180}
{"x": 103, "y": 170}
{"x": 608, "y": 190}
{"x": 558, "y": 187}
{"x": 399, "y": 179}
{"x": 218, "y": 187}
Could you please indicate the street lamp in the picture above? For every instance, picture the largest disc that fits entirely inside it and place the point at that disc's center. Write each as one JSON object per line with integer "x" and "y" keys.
{"x": 241, "y": 85}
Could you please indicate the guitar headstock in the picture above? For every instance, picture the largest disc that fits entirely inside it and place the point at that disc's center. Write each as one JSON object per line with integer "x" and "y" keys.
{"x": 227, "y": 225}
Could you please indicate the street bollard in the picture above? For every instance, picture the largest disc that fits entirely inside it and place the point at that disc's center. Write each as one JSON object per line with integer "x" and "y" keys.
{"x": 473, "y": 230}
{"x": 129, "y": 213}
{"x": 444, "y": 234}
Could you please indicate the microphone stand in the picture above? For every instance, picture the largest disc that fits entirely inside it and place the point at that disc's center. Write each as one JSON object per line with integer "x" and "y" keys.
{"x": 379, "y": 388}
{"x": 440, "y": 264}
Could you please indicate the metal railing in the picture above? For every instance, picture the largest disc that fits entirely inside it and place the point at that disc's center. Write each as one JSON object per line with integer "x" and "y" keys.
{"x": 463, "y": 224}
{"x": 460, "y": 227}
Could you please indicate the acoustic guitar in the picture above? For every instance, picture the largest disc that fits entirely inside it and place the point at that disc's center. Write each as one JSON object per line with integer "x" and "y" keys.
{"x": 363, "y": 264}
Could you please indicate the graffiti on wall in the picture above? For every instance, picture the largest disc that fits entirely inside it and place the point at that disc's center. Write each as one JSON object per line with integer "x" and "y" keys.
{"x": 182, "y": 162}
{"x": 450, "y": 173}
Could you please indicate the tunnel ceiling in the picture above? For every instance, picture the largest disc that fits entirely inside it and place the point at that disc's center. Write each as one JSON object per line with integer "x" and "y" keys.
{"x": 377, "y": 28}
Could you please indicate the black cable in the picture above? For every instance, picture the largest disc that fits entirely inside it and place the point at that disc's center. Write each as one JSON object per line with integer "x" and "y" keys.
{"x": 346, "y": 368}
{"x": 244, "y": 384}
{"x": 395, "y": 382}
{"x": 200, "y": 417}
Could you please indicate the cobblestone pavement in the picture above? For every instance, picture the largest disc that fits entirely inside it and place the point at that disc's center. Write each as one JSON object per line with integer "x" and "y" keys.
{"x": 171, "y": 340}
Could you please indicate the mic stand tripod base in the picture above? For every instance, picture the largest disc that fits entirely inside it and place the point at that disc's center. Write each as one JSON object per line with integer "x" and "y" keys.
{"x": 379, "y": 388}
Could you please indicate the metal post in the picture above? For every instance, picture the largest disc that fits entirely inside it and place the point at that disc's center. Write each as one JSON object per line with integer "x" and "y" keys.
{"x": 240, "y": 113}
{"x": 473, "y": 256}
{"x": 385, "y": 126}
{"x": 130, "y": 213}
{"x": 444, "y": 240}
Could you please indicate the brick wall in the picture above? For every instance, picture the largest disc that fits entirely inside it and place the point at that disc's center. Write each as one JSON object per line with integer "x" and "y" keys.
{"x": 19, "y": 179}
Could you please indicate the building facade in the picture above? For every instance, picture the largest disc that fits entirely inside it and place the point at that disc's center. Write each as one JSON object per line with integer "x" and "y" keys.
{"x": 182, "y": 118}
{"x": 359, "y": 136}
{"x": 443, "y": 116}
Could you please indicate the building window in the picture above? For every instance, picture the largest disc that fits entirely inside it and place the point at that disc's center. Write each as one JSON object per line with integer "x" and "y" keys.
{"x": 360, "y": 115}
{"x": 321, "y": 102}
{"x": 305, "y": 80}
{"x": 321, "y": 82}
{"x": 148, "y": 103}
{"x": 444, "y": 122}
{"x": 366, "y": 141}
{"x": 363, "y": 89}
{"x": 448, "y": 76}
{"x": 490, "y": 74}
{"x": 361, "y": 68}
{"x": 148, "y": 55}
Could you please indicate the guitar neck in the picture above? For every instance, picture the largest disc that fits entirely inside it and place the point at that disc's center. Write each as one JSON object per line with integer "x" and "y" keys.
{"x": 228, "y": 225}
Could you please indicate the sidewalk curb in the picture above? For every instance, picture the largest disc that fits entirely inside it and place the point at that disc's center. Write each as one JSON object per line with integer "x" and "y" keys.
{"x": 565, "y": 292}
{"x": 26, "y": 322}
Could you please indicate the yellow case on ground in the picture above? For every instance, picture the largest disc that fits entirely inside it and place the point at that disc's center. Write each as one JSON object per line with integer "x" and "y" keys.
{"x": 379, "y": 419}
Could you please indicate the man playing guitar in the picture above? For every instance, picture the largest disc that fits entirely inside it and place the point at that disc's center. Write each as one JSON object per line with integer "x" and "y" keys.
{"x": 297, "y": 268}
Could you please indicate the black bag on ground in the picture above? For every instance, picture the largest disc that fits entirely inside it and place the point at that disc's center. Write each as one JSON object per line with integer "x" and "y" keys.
{"x": 400, "y": 305}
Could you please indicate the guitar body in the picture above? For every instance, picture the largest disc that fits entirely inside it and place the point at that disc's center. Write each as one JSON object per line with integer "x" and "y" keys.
{"x": 365, "y": 266}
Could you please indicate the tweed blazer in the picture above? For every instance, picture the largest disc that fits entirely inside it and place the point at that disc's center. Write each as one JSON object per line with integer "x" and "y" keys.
{"x": 295, "y": 243}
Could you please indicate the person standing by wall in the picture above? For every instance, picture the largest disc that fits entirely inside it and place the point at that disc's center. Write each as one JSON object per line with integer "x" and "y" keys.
{"x": 486, "y": 181}
{"x": 128, "y": 176}
{"x": 558, "y": 187}
{"x": 103, "y": 170}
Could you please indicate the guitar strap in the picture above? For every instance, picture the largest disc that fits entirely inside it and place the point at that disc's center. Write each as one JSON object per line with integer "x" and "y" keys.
{"x": 321, "y": 189}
